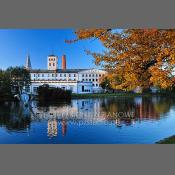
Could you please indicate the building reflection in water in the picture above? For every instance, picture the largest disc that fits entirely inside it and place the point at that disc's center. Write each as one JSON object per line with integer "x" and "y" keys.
{"x": 97, "y": 110}
{"x": 64, "y": 127}
{"x": 53, "y": 129}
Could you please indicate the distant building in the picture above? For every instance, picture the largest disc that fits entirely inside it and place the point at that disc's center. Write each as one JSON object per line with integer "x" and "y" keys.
{"x": 79, "y": 81}
{"x": 28, "y": 65}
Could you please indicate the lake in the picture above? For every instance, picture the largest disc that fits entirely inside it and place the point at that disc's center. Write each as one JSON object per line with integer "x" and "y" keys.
{"x": 115, "y": 120}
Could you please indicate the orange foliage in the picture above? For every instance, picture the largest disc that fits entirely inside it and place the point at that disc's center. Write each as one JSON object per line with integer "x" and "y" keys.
{"x": 136, "y": 57}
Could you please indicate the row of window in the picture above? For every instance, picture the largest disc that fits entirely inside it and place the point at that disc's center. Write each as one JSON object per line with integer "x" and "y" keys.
{"x": 90, "y": 80}
{"x": 54, "y": 75}
{"x": 52, "y": 64}
{"x": 56, "y": 79}
{"x": 51, "y": 59}
{"x": 91, "y": 75}
{"x": 95, "y": 85}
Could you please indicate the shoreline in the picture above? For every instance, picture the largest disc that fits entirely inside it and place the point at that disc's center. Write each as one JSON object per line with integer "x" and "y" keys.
{"x": 168, "y": 140}
{"x": 106, "y": 95}
{"x": 127, "y": 95}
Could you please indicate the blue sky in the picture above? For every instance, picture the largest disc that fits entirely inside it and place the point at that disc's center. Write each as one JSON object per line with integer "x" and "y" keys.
{"x": 16, "y": 44}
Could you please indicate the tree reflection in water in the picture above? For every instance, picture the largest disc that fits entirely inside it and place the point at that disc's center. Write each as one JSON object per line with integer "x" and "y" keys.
{"x": 14, "y": 116}
{"x": 143, "y": 108}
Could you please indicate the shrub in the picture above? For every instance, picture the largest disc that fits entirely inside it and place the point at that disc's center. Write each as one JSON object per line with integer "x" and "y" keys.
{"x": 46, "y": 93}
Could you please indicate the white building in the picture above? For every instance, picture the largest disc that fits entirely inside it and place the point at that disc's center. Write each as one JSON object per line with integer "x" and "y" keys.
{"x": 79, "y": 81}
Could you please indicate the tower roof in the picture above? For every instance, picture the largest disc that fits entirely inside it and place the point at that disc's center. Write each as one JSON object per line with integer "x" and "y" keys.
{"x": 28, "y": 63}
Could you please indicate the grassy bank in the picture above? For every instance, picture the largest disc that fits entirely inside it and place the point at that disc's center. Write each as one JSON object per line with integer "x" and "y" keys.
{"x": 103, "y": 95}
{"x": 169, "y": 140}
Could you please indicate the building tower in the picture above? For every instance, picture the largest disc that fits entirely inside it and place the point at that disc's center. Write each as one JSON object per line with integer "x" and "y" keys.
{"x": 28, "y": 65}
{"x": 64, "y": 62}
{"x": 52, "y": 62}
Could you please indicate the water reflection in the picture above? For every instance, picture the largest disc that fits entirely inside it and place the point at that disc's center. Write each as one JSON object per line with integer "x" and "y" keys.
{"x": 52, "y": 128}
{"x": 58, "y": 117}
{"x": 14, "y": 117}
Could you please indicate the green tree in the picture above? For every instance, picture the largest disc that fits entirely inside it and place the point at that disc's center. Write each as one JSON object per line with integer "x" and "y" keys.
{"x": 20, "y": 78}
{"x": 5, "y": 85}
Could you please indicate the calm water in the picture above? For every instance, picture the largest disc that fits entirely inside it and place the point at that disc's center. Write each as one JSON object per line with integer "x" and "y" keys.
{"x": 108, "y": 120}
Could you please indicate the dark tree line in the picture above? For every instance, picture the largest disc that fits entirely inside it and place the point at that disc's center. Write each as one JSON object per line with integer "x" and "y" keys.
{"x": 46, "y": 93}
{"x": 12, "y": 81}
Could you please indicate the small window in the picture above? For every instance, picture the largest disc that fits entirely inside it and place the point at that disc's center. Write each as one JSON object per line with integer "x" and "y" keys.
{"x": 82, "y": 75}
{"x": 89, "y": 79}
{"x": 53, "y": 64}
{"x": 42, "y": 75}
{"x": 64, "y": 75}
{"x": 49, "y": 64}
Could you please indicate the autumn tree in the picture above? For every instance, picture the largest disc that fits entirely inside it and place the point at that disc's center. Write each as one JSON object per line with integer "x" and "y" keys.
{"x": 135, "y": 57}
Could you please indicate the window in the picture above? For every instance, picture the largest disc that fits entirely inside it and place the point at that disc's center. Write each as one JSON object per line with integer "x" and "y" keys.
{"x": 34, "y": 75}
{"x": 35, "y": 89}
{"x": 99, "y": 75}
{"x": 82, "y": 79}
{"x": 52, "y": 75}
{"x": 42, "y": 75}
{"x": 69, "y": 75}
{"x": 89, "y": 79}
{"x": 53, "y": 64}
{"x": 74, "y": 75}
{"x": 92, "y": 75}
{"x": 38, "y": 75}
{"x": 60, "y": 75}
{"x": 93, "y": 80}
{"x": 64, "y": 75}
{"x": 86, "y": 75}
{"x": 86, "y": 79}
{"x": 48, "y": 75}
{"x": 89, "y": 75}
{"x": 96, "y": 79}
{"x": 82, "y": 75}
{"x": 49, "y": 64}
{"x": 96, "y": 84}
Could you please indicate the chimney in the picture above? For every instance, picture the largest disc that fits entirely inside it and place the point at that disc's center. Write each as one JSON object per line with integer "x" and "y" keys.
{"x": 64, "y": 62}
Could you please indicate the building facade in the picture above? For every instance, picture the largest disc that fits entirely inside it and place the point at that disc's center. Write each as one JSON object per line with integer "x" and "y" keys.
{"x": 79, "y": 81}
